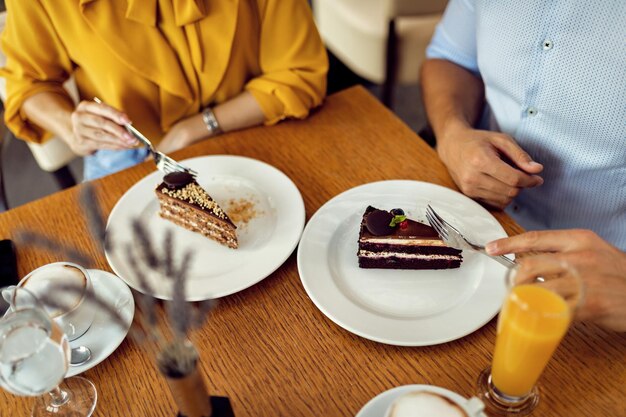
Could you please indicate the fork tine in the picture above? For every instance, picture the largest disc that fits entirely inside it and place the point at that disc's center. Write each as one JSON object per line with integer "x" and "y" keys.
{"x": 444, "y": 222}
{"x": 165, "y": 166}
{"x": 439, "y": 226}
{"x": 435, "y": 215}
{"x": 181, "y": 167}
{"x": 175, "y": 164}
{"x": 431, "y": 213}
{"x": 166, "y": 160}
{"x": 436, "y": 224}
{"x": 441, "y": 232}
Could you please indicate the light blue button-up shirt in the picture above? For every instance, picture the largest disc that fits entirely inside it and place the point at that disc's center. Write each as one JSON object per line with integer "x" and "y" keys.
{"x": 555, "y": 80}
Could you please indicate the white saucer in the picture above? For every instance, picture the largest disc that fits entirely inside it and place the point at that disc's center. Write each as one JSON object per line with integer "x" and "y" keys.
{"x": 377, "y": 406}
{"x": 104, "y": 336}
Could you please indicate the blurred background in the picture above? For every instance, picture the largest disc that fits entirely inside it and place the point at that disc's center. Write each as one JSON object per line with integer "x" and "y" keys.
{"x": 379, "y": 44}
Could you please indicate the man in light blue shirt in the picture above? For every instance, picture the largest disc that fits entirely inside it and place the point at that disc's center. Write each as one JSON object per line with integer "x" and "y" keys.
{"x": 545, "y": 84}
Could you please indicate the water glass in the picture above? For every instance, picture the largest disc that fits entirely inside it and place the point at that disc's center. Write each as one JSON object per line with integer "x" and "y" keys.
{"x": 34, "y": 358}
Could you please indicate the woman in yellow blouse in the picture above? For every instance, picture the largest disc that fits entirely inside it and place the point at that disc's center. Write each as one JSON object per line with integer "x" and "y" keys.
{"x": 180, "y": 70}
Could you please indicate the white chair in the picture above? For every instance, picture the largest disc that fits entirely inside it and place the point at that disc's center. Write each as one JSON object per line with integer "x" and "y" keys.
{"x": 54, "y": 155}
{"x": 383, "y": 41}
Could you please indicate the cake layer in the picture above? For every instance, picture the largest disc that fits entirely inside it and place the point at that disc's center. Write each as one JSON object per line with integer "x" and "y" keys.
{"x": 428, "y": 256}
{"x": 197, "y": 220}
{"x": 407, "y": 246}
{"x": 405, "y": 263}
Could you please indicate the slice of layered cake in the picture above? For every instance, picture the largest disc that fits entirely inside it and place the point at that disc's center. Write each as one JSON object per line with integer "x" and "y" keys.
{"x": 186, "y": 204}
{"x": 387, "y": 239}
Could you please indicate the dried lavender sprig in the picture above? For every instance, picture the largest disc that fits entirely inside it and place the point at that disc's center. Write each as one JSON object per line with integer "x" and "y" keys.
{"x": 48, "y": 300}
{"x": 88, "y": 200}
{"x": 168, "y": 253}
{"x": 177, "y": 359}
{"x": 179, "y": 308}
{"x": 30, "y": 238}
{"x": 146, "y": 302}
{"x": 202, "y": 312}
{"x": 144, "y": 240}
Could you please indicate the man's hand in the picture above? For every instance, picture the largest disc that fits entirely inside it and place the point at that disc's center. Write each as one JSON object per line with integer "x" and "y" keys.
{"x": 601, "y": 266}
{"x": 98, "y": 126}
{"x": 476, "y": 161}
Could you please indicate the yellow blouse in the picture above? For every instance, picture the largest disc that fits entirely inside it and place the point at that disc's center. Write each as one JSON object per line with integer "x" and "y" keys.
{"x": 163, "y": 60}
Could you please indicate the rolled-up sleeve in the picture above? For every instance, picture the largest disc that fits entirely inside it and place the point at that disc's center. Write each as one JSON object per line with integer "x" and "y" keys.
{"x": 36, "y": 62}
{"x": 455, "y": 36}
{"x": 293, "y": 62}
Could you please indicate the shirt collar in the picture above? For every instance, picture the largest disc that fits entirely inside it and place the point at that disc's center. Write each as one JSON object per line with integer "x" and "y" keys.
{"x": 146, "y": 11}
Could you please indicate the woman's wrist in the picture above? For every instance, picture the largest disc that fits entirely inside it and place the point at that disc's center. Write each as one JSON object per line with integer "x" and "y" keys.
{"x": 210, "y": 122}
{"x": 185, "y": 133}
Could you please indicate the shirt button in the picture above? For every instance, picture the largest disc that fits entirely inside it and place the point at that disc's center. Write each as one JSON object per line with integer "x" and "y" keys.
{"x": 515, "y": 208}
{"x": 547, "y": 45}
{"x": 531, "y": 111}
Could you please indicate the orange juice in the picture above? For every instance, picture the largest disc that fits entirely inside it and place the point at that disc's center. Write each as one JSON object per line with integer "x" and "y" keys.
{"x": 532, "y": 322}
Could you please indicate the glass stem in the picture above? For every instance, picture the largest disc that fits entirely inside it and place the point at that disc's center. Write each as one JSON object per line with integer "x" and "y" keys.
{"x": 59, "y": 397}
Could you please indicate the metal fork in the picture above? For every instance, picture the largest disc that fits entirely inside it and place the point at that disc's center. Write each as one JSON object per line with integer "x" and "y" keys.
{"x": 453, "y": 238}
{"x": 163, "y": 162}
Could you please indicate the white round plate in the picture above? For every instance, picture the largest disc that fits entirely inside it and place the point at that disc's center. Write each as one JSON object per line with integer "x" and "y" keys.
{"x": 265, "y": 242}
{"x": 377, "y": 406}
{"x": 104, "y": 335}
{"x": 400, "y": 307}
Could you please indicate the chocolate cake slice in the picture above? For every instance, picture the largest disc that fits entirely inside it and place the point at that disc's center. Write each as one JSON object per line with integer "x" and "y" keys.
{"x": 186, "y": 204}
{"x": 387, "y": 239}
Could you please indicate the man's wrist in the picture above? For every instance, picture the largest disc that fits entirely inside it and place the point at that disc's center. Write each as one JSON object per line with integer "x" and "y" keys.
{"x": 452, "y": 129}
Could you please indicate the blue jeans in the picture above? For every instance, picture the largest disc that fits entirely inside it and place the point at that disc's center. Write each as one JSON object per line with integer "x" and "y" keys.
{"x": 105, "y": 162}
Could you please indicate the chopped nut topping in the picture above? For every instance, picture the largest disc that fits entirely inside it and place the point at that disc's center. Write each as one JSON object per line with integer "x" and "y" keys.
{"x": 193, "y": 193}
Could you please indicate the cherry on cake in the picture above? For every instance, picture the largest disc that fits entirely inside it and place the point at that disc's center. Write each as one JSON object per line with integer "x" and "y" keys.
{"x": 389, "y": 240}
{"x": 184, "y": 202}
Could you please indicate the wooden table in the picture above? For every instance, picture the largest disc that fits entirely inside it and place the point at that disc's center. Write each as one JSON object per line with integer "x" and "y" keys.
{"x": 269, "y": 348}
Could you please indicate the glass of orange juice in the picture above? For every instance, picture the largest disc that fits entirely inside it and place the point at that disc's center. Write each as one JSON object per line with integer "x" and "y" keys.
{"x": 535, "y": 316}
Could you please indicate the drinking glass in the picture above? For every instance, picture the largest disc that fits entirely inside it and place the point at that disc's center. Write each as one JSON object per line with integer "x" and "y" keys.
{"x": 535, "y": 316}
{"x": 34, "y": 358}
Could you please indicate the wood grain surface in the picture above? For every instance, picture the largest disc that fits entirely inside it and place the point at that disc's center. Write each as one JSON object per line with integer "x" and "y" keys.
{"x": 269, "y": 348}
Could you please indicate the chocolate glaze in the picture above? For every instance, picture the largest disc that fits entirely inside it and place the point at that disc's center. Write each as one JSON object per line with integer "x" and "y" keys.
{"x": 175, "y": 180}
{"x": 377, "y": 222}
{"x": 414, "y": 230}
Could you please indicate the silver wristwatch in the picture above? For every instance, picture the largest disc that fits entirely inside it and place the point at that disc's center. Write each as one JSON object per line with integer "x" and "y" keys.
{"x": 211, "y": 122}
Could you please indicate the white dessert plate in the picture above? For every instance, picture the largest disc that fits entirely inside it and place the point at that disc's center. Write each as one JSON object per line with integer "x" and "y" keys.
{"x": 104, "y": 335}
{"x": 400, "y": 307}
{"x": 275, "y": 214}
{"x": 377, "y": 406}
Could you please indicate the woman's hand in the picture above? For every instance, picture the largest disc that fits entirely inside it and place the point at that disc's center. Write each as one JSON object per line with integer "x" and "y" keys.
{"x": 601, "y": 266}
{"x": 477, "y": 163}
{"x": 98, "y": 126}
